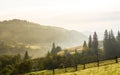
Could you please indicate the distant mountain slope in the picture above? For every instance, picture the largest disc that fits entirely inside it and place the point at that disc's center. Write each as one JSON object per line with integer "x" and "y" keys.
{"x": 25, "y": 32}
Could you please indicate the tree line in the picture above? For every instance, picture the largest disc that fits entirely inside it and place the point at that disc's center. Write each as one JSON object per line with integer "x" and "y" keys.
{"x": 110, "y": 48}
{"x": 111, "y": 44}
{"x": 91, "y": 52}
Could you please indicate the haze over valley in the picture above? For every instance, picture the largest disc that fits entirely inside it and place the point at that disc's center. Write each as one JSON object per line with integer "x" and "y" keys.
{"x": 59, "y": 37}
{"x": 38, "y": 37}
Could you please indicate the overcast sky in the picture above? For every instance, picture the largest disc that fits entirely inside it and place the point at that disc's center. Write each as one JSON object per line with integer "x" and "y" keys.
{"x": 81, "y": 15}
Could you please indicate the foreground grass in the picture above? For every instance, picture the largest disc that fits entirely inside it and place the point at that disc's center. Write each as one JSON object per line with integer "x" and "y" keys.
{"x": 112, "y": 69}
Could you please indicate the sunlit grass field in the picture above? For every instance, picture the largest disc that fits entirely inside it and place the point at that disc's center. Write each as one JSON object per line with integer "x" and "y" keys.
{"x": 106, "y": 68}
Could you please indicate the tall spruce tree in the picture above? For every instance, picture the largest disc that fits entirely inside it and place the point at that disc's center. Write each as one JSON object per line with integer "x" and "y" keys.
{"x": 112, "y": 36}
{"x": 53, "y": 48}
{"x": 95, "y": 44}
{"x": 85, "y": 45}
{"x": 118, "y": 44}
{"x": 106, "y": 43}
{"x": 90, "y": 42}
{"x": 84, "y": 50}
{"x": 113, "y": 45}
{"x": 26, "y": 56}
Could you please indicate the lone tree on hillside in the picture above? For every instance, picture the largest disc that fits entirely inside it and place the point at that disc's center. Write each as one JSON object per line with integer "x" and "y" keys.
{"x": 26, "y": 56}
{"x": 53, "y": 48}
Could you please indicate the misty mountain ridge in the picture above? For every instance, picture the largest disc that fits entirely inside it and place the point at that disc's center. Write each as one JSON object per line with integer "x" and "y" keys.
{"x": 24, "y": 32}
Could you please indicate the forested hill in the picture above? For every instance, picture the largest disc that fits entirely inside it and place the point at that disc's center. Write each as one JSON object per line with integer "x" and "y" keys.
{"x": 21, "y": 31}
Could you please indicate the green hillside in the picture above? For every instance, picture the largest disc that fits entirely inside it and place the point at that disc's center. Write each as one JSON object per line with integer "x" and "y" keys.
{"x": 35, "y": 35}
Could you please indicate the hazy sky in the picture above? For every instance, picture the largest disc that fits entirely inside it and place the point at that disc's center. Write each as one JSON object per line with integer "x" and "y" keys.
{"x": 81, "y": 15}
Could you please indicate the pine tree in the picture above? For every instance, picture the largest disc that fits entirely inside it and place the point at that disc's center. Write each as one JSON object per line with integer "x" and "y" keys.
{"x": 118, "y": 38}
{"x": 106, "y": 37}
{"x": 84, "y": 48}
{"x": 118, "y": 43}
{"x": 53, "y": 48}
{"x": 113, "y": 46}
{"x": 95, "y": 44}
{"x": 112, "y": 36}
{"x": 106, "y": 43}
{"x": 90, "y": 42}
{"x": 85, "y": 44}
{"x": 26, "y": 57}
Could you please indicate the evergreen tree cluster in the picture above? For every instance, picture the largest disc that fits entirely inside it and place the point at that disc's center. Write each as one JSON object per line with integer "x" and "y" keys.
{"x": 111, "y": 44}
{"x": 90, "y": 52}
{"x": 92, "y": 47}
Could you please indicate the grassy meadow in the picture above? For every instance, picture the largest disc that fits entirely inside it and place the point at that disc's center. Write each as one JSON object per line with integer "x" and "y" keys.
{"x": 111, "y": 69}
